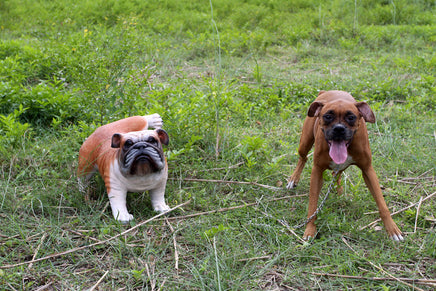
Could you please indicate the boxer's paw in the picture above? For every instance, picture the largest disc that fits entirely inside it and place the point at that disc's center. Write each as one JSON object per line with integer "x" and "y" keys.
{"x": 291, "y": 184}
{"x": 397, "y": 237}
{"x": 394, "y": 232}
{"x": 293, "y": 180}
{"x": 154, "y": 121}
{"x": 310, "y": 231}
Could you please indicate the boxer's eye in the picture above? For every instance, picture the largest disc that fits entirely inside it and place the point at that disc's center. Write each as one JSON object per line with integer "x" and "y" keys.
{"x": 350, "y": 119}
{"x": 328, "y": 118}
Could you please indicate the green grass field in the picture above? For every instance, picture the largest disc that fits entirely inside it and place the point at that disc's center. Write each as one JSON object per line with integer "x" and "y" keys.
{"x": 232, "y": 81}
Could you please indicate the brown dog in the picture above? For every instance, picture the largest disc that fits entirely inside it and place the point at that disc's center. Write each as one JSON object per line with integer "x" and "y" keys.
{"x": 129, "y": 157}
{"x": 335, "y": 122}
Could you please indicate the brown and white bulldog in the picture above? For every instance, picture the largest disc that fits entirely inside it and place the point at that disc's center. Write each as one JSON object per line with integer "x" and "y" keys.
{"x": 129, "y": 157}
{"x": 336, "y": 124}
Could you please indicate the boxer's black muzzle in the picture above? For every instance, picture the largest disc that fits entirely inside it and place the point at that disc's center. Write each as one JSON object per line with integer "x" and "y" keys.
{"x": 338, "y": 132}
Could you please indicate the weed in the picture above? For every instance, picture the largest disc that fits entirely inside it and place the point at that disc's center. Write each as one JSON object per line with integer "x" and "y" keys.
{"x": 232, "y": 81}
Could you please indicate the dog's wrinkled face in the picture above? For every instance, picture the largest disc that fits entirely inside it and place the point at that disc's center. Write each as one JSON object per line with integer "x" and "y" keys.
{"x": 339, "y": 120}
{"x": 141, "y": 151}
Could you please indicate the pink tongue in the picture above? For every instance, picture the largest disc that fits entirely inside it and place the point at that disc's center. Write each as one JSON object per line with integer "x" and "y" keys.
{"x": 338, "y": 152}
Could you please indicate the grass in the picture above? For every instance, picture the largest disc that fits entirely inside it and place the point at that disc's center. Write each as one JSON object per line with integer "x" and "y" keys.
{"x": 233, "y": 98}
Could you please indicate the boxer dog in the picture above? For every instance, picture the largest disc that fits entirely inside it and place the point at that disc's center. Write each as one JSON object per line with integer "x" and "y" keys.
{"x": 335, "y": 122}
{"x": 129, "y": 157}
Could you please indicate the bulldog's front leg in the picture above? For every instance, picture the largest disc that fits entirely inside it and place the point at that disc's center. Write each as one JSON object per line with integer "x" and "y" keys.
{"x": 157, "y": 197}
{"x": 117, "y": 199}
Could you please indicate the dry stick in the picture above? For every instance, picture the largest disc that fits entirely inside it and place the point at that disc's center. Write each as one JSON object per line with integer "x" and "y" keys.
{"x": 97, "y": 243}
{"x": 217, "y": 144}
{"x": 429, "y": 170}
{"x": 380, "y": 268}
{"x": 229, "y": 208}
{"x": 401, "y": 210}
{"x": 417, "y": 281}
{"x": 404, "y": 182}
{"x": 417, "y": 214}
{"x": 44, "y": 286}
{"x": 82, "y": 235}
{"x": 37, "y": 249}
{"x": 176, "y": 253}
{"x": 231, "y": 182}
{"x": 98, "y": 282}
{"x": 431, "y": 178}
{"x": 255, "y": 258}
{"x": 104, "y": 209}
{"x": 285, "y": 224}
{"x": 10, "y": 286}
{"x": 223, "y": 168}
{"x": 152, "y": 281}
{"x": 163, "y": 283}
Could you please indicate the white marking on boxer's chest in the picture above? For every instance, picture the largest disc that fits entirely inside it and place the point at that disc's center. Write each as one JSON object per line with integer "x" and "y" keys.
{"x": 335, "y": 167}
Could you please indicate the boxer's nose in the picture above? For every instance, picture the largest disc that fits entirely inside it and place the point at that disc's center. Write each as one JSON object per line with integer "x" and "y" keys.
{"x": 339, "y": 129}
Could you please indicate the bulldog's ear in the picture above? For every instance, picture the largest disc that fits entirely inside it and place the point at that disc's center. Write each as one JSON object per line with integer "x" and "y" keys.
{"x": 321, "y": 92}
{"x": 116, "y": 140}
{"x": 366, "y": 112}
{"x": 163, "y": 136}
{"x": 314, "y": 109}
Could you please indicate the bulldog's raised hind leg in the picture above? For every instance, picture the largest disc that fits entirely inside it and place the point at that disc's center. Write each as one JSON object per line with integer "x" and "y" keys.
{"x": 154, "y": 121}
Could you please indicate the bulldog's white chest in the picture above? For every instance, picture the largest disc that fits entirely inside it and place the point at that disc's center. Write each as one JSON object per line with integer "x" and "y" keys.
{"x": 136, "y": 183}
{"x": 340, "y": 167}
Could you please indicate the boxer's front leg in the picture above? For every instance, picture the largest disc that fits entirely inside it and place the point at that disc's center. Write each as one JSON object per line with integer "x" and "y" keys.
{"x": 373, "y": 185}
{"x": 315, "y": 188}
{"x": 307, "y": 139}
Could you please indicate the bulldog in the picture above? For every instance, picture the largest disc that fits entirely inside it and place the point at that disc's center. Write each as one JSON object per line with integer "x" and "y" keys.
{"x": 336, "y": 124}
{"x": 129, "y": 157}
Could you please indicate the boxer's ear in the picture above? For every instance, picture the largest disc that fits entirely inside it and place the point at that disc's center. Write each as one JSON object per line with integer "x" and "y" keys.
{"x": 321, "y": 92}
{"x": 163, "y": 136}
{"x": 314, "y": 109}
{"x": 116, "y": 140}
{"x": 366, "y": 112}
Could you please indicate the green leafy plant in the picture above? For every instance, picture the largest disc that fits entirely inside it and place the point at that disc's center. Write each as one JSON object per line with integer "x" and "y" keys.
{"x": 13, "y": 132}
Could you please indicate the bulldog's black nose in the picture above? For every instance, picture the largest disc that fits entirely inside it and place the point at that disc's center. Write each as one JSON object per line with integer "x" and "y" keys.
{"x": 140, "y": 145}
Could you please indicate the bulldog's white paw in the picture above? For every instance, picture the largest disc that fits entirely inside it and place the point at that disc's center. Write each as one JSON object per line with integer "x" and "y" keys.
{"x": 161, "y": 208}
{"x": 154, "y": 121}
{"x": 124, "y": 218}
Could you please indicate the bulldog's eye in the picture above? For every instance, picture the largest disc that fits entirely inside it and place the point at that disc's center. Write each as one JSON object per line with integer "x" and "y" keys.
{"x": 128, "y": 143}
{"x": 152, "y": 140}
